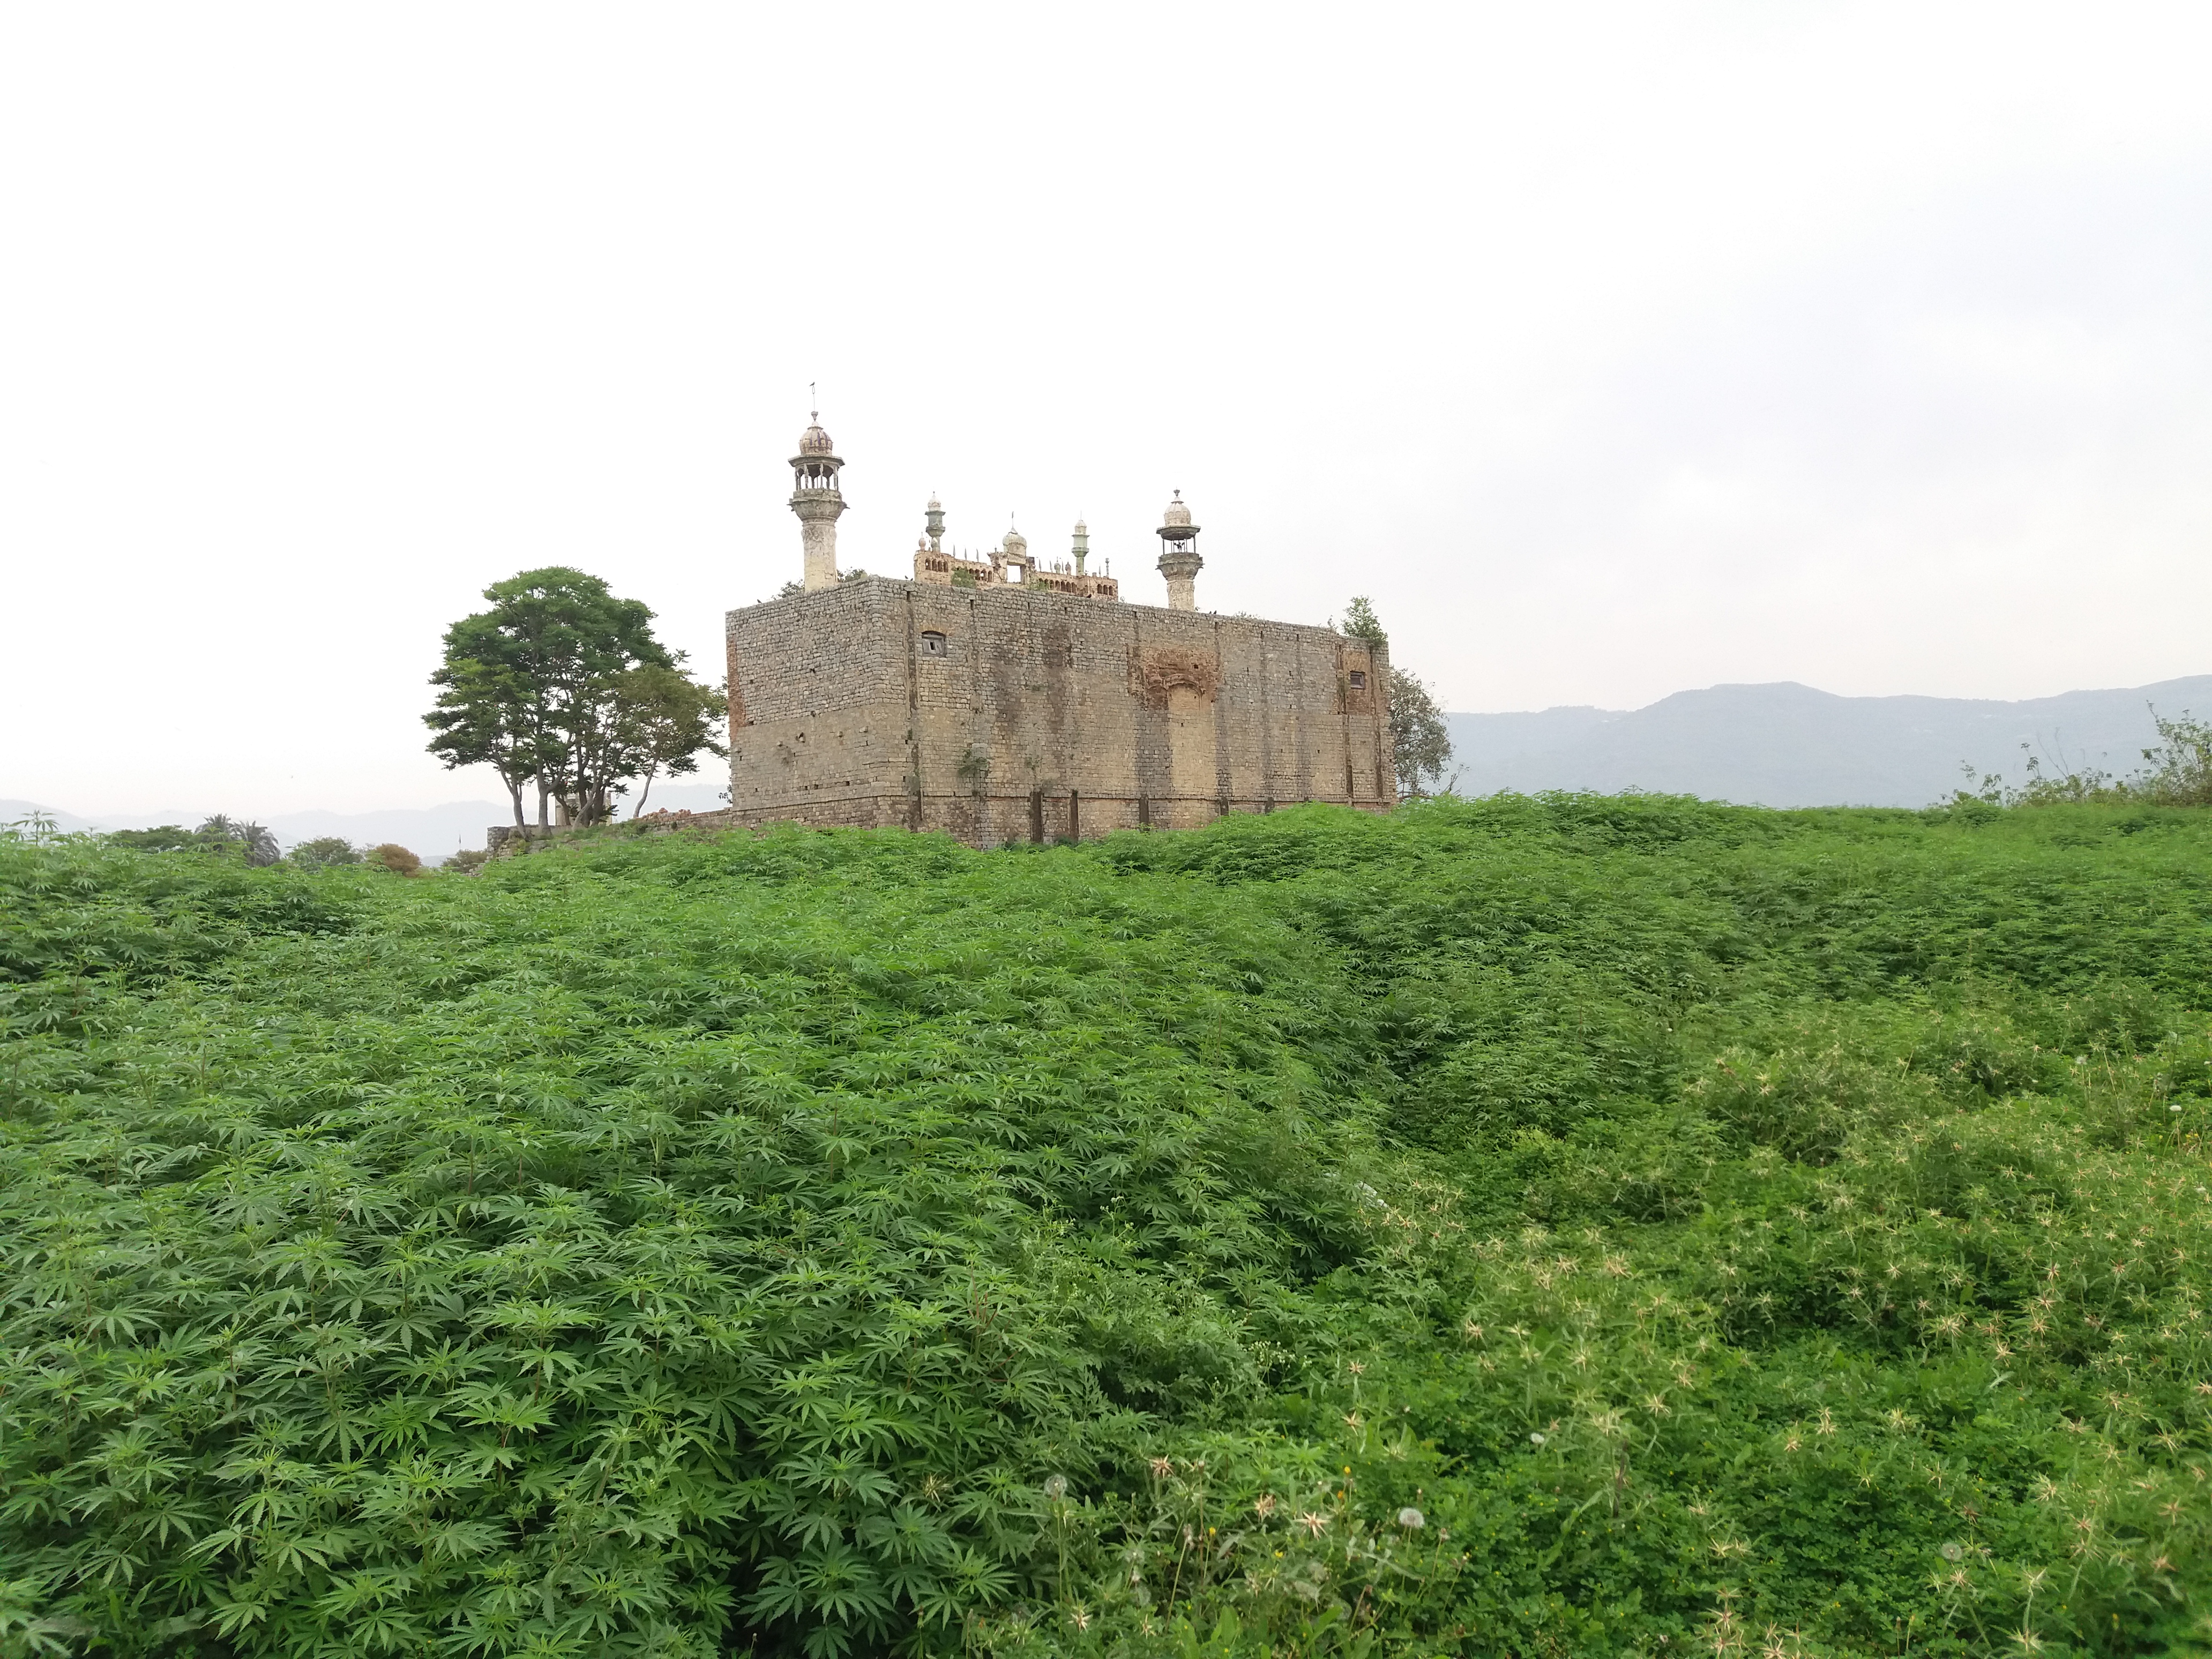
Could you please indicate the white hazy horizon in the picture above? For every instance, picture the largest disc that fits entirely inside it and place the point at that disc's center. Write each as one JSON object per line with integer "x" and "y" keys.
{"x": 1613, "y": 351}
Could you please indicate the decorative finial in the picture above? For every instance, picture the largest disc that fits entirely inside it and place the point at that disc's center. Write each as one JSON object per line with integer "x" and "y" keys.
{"x": 815, "y": 413}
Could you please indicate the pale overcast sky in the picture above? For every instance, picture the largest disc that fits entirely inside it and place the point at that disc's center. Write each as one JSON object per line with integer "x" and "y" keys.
{"x": 1613, "y": 350}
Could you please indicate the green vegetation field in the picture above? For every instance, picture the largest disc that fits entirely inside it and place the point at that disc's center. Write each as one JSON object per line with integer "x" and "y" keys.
{"x": 1562, "y": 1226}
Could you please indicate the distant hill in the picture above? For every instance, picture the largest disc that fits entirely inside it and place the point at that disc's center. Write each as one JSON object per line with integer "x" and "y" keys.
{"x": 1773, "y": 745}
{"x": 1789, "y": 745}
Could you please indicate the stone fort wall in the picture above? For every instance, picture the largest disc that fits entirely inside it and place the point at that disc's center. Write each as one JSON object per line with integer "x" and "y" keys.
{"x": 1005, "y": 714}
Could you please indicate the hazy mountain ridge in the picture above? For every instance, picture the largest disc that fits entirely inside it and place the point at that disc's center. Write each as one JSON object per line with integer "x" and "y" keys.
{"x": 1787, "y": 744}
{"x": 1781, "y": 745}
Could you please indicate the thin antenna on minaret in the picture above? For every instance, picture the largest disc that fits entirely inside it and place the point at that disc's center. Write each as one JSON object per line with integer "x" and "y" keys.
{"x": 815, "y": 413}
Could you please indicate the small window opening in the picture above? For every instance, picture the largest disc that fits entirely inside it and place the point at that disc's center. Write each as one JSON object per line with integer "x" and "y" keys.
{"x": 933, "y": 645}
{"x": 1359, "y": 679}
{"x": 1014, "y": 572}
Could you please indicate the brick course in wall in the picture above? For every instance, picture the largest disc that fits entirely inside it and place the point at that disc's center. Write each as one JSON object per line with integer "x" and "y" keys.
{"x": 1002, "y": 713}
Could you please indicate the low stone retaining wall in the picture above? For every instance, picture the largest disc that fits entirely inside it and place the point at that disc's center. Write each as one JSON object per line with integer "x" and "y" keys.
{"x": 507, "y": 841}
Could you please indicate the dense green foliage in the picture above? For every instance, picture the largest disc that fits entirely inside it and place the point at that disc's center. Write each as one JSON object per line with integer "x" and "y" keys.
{"x": 1560, "y": 1226}
{"x": 562, "y": 685}
{"x": 220, "y": 835}
{"x": 322, "y": 851}
{"x": 2176, "y": 772}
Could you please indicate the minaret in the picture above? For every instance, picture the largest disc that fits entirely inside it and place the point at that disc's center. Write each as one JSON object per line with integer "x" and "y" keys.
{"x": 934, "y": 518}
{"x": 816, "y": 498}
{"x": 1179, "y": 560}
{"x": 1082, "y": 545}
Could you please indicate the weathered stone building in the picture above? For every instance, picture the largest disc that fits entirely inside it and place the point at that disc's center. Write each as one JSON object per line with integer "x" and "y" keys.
{"x": 1001, "y": 699}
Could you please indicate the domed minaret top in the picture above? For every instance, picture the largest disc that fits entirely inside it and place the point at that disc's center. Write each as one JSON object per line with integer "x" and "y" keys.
{"x": 1014, "y": 555}
{"x": 1082, "y": 549}
{"x": 1179, "y": 560}
{"x": 818, "y": 501}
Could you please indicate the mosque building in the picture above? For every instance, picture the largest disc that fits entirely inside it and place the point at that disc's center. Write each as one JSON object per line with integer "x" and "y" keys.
{"x": 1009, "y": 698}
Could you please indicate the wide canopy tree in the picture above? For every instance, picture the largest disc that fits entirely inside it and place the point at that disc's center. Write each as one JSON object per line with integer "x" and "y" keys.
{"x": 543, "y": 688}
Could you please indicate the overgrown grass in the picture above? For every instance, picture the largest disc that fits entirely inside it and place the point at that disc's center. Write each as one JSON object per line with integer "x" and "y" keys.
{"x": 1571, "y": 1225}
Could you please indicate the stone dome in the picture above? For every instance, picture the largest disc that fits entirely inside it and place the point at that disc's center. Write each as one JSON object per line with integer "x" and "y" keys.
{"x": 1177, "y": 513}
{"x": 1017, "y": 543}
{"x": 815, "y": 441}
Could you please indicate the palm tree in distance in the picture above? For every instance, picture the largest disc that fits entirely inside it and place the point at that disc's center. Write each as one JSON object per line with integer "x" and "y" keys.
{"x": 255, "y": 839}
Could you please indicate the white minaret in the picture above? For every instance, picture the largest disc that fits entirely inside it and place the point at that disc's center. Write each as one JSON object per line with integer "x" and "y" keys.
{"x": 1179, "y": 560}
{"x": 815, "y": 498}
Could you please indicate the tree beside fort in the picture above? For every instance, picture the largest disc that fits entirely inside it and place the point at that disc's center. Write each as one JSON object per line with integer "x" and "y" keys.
{"x": 1419, "y": 742}
{"x": 562, "y": 689}
{"x": 665, "y": 720}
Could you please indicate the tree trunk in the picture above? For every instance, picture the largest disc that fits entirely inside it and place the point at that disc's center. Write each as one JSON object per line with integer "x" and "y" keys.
{"x": 514, "y": 794}
{"x": 639, "y": 808}
{"x": 545, "y": 809}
